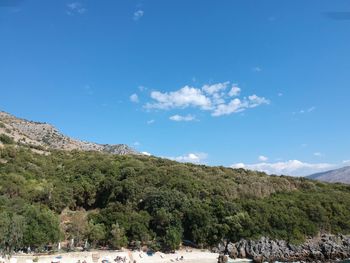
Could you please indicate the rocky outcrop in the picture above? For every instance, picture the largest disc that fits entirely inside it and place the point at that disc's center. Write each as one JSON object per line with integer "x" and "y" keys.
{"x": 326, "y": 248}
{"x": 45, "y": 136}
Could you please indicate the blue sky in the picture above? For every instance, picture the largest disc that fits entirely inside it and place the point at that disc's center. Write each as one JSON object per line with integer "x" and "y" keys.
{"x": 249, "y": 83}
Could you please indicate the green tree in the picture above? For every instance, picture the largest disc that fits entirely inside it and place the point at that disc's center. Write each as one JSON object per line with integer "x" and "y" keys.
{"x": 96, "y": 233}
{"x": 172, "y": 239}
{"x": 118, "y": 239}
{"x": 42, "y": 227}
{"x": 239, "y": 226}
{"x": 11, "y": 232}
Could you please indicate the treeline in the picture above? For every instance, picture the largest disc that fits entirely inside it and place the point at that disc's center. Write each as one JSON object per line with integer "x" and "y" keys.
{"x": 116, "y": 201}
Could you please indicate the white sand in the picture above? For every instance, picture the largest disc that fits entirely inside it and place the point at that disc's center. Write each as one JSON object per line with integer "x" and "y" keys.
{"x": 196, "y": 256}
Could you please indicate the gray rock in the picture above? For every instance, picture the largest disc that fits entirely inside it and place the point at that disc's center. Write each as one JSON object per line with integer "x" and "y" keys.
{"x": 325, "y": 248}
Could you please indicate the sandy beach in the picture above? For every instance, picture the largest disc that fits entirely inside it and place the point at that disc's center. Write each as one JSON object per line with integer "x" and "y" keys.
{"x": 195, "y": 256}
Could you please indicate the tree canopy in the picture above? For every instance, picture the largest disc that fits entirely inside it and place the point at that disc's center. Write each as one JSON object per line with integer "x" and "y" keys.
{"x": 115, "y": 201}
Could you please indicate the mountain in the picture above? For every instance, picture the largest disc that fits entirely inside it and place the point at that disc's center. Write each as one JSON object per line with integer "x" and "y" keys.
{"x": 341, "y": 175}
{"x": 43, "y": 136}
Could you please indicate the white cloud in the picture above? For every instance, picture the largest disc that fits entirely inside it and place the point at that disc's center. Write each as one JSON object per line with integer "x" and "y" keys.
{"x": 257, "y": 69}
{"x": 263, "y": 158}
{"x": 346, "y": 162}
{"x": 214, "y": 98}
{"x": 280, "y": 94}
{"x": 182, "y": 98}
{"x": 146, "y": 153}
{"x": 255, "y": 101}
{"x": 136, "y": 143}
{"x": 234, "y": 91}
{"x": 215, "y": 88}
{"x": 150, "y": 122}
{"x": 188, "y": 117}
{"x": 134, "y": 98}
{"x": 236, "y": 105}
{"x": 138, "y": 15}
{"x": 318, "y": 154}
{"x": 191, "y": 158}
{"x": 291, "y": 167}
{"x": 75, "y": 8}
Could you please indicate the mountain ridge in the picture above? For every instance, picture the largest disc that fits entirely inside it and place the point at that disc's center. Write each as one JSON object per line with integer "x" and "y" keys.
{"x": 44, "y": 136}
{"x": 341, "y": 175}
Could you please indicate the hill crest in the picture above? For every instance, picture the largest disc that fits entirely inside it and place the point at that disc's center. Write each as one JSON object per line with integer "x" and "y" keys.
{"x": 46, "y": 136}
{"x": 341, "y": 175}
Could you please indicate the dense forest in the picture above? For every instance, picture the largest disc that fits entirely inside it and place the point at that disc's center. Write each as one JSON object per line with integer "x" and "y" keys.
{"x": 116, "y": 201}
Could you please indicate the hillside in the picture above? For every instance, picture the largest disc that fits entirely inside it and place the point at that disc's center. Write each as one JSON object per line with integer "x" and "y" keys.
{"x": 43, "y": 136}
{"x": 54, "y": 188}
{"x": 341, "y": 175}
{"x": 132, "y": 200}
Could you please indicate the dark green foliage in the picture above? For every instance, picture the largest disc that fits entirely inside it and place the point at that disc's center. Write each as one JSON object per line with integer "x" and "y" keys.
{"x": 11, "y": 231}
{"x": 6, "y": 139}
{"x": 134, "y": 200}
{"x": 118, "y": 237}
{"x": 42, "y": 227}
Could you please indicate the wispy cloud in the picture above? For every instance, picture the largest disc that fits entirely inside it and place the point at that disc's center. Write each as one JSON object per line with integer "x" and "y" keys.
{"x": 257, "y": 69}
{"x": 188, "y": 117}
{"x": 75, "y": 8}
{"x": 142, "y": 88}
{"x": 191, "y": 158}
{"x": 263, "y": 158}
{"x": 291, "y": 167}
{"x": 215, "y": 98}
{"x": 318, "y": 154}
{"x": 138, "y": 14}
{"x": 134, "y": 98}
{"x": 303, "y": 111}
{"x": 150, "y": 122}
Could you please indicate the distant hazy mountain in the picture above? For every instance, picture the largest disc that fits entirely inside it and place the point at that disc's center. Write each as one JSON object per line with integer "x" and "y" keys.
{"x": 341, "y": 175}
{"x": 42, "y": 136}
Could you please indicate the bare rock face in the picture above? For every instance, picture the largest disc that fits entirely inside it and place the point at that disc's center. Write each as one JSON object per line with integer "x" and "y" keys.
{"x": 326, "y": 248}
{"x": 45, "y": 136}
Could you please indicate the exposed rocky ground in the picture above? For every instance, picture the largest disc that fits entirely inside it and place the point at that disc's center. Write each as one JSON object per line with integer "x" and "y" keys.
{"x": 43, "y": 136}
{"x": 326, "y": 248}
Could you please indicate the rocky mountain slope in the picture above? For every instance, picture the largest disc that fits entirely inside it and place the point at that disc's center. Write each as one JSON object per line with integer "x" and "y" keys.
{"x": 43, "y": 136}
{"x": 341, "y": 175}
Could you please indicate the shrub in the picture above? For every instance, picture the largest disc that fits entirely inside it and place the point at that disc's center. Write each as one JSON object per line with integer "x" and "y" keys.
{"x": 6, "y": 139}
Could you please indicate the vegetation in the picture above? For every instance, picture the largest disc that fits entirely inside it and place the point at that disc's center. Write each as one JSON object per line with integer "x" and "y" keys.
{"x": 6, "y": 139}
{"x": 115, "y": 201}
